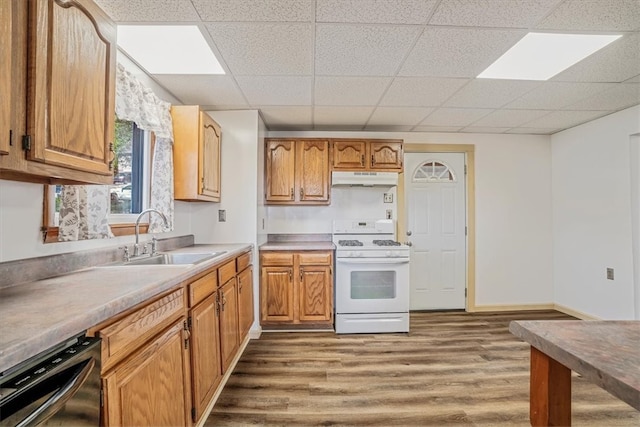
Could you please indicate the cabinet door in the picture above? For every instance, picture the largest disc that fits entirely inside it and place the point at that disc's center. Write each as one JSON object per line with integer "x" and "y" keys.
{"x": 312, "y": 170}
{"x": 71, "y": 90}
{"x": 386, "y": 155}
{"x": 245, "y": 301}
{"x": 315, "y": 294}
{"x": 280, "y": 170}
{"x": 276, "y": 294}
{"x": 349, "y": 155}
{"x": 209, "y": 168}
{"x": 227, "y": 298}
{"x": 6, "y": 32}
{"x": 151, "y": 387}
{"x": 205, "y": 353}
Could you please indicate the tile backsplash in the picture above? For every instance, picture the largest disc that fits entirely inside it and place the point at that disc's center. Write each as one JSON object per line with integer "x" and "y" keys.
{"x": 346, "y": 203}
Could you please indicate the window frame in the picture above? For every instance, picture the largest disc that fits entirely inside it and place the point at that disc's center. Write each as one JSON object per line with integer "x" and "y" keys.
{"x": 120, "y": 224}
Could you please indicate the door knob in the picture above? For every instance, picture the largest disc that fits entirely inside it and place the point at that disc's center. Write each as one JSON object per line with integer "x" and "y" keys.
{"x": 409, "y": 233}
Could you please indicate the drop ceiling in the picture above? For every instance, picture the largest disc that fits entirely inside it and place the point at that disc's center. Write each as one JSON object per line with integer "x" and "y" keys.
{"x": 398, "y": 65}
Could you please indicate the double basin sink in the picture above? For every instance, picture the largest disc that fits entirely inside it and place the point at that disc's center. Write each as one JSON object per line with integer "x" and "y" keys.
{"x": 184, "y": 258}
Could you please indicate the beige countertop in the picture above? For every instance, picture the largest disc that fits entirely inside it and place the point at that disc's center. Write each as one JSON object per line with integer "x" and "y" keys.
{"x": 40, "y": 314}
{"x": 298, "y": 246}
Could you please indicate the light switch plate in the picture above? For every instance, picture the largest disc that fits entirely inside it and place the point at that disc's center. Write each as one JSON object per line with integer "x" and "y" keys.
{"x": 609, "y": 273}
{"x": 388, "y": 197}
{"x": 222, "y": 215}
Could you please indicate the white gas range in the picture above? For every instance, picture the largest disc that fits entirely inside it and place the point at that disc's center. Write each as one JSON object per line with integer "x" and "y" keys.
{"x": 372, "y": 277}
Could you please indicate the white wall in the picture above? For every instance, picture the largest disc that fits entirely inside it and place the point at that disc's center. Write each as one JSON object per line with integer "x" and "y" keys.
{"x": 513, "y": 212}
{"x": 592, "y": 216}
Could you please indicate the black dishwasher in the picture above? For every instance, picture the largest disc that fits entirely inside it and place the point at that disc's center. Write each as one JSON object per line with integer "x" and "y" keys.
{"x": 60, "y": 387}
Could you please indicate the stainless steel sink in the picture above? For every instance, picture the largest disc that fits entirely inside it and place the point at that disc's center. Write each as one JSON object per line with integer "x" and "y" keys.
{"x": 183, "y": 258}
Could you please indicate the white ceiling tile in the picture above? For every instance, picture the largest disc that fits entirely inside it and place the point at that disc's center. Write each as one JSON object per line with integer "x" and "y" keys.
{"x": 621, "y": 96}
{"x": 554, "y": 95}
{"x": 481, "y": 129}
{"x": 533, "y": 131}
{"x": 614, "y": 63}
{"x": 265, "y": 48}
{"x": 149, "y": 11}
{"x": 492, "y": 13}
{"x": 594, "y": 15}
{"x": 203, "y": 89}
{"x": 374, "y": 11}
{"x": 362, "y": 50}
{"x": 222, "y": 107}
{"x": 563, "y": 119}
{"x": 350, "y": 116}
{"x": 436, "y": 129}
{"x": 388, "y": 128}
{"x": 489, "y": 93}
{"x": 457, "y": 52}
{"x": 388, "y": 116}
{"x": 420, "y": 91}
{"x": 276, "y": 90}
{"x": 509, "y": 118}
{"x": 278, "y": 117}
{"x": 349, "y": 90}
{"x": 255, "y": 10}
{"x": 455, "y": 116}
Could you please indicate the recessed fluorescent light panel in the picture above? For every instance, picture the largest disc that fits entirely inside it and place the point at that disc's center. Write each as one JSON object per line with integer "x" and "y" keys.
{"x": 168, "y": 49}
{"x": 540, "y": 56}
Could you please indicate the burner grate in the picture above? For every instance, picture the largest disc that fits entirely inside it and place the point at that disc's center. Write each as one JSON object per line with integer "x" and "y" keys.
{"x": 350, "y": 243}
{"x": 386, "y": 243}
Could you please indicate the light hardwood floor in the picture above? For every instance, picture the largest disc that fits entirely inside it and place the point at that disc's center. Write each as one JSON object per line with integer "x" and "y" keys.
{"x": 452, "y": 368}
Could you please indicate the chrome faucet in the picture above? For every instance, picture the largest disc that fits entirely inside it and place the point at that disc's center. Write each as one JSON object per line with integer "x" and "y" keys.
{"x": 136, "y": 246}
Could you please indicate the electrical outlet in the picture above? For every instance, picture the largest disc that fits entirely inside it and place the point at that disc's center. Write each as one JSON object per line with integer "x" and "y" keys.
{"x": 389, "y": 213}
{"x": 609, "y": 273}
{"x": 222, "y": 215}
{"x": 388, "y": 197}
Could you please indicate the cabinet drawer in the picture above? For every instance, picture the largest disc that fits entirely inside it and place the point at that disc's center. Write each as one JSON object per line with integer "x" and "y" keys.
{"x": 226, "y": 272}
{"x": 202, "y": 288}
{"x": 131, "y": 332}
{"x": 315, "y": 258}
{"x": 276, "y": 258}
{"x": 243, "y": 261}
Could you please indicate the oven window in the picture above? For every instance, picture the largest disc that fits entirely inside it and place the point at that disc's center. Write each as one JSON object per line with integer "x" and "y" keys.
{"x": 373, "y": 284}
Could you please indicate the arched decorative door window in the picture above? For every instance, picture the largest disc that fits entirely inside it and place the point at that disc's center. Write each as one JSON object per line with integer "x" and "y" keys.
{"x": 433, "y": 171}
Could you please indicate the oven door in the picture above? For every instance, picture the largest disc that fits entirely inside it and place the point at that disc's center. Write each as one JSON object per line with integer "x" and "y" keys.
{"x": 372, "y": 285}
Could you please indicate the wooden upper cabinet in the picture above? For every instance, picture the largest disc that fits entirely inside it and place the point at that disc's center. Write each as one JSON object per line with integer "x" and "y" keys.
{"x": 71, "y": 90}
{"x": 386, "y": 155}
{"x": 361, "y": 155}
{"x": 312, "y": 171}
{"x": 6, "y": 32}
{"x": 297, "y": 172}
{"x": 280, "y": 170}
{"x": 196, "y": 154}
{"x": 349, "y": 155}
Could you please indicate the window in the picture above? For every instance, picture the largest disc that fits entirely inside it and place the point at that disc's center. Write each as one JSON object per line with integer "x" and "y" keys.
{"x": 433, "y": 171}
{"x": 130, "y": 191}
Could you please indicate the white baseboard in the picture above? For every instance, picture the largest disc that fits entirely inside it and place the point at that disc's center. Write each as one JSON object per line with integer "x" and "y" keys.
{"x": 575, "y": 313}
{"x": 512, "y": 307}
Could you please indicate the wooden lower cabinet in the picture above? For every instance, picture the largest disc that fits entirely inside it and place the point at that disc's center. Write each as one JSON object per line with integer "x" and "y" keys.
{"x": 205, "y": 353}
{"x": 296, "y": 288}
{"x": 245, "y": 302}
{"x": 229, "y": 337}
{"x": 151, "y": 387}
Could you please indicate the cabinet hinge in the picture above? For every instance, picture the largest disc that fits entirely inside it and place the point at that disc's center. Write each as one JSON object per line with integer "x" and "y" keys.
{"x": 26, "y": 142}
{"x": 193, "y": 414}
{"x": 465, "y": 169}
{"x": 189, "y": 322}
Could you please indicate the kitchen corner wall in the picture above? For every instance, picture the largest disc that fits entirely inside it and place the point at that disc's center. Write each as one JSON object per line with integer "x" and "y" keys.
{"x": 593, "y": 216}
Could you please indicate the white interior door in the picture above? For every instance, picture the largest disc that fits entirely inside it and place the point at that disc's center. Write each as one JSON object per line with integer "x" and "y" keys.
{"x": 436, "y": 220}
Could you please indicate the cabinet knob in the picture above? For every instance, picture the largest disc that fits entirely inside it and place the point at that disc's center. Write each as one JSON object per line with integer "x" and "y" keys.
{"x": 373, "y": 160}
{"x": 362, "y": 160}
{"x": 291, "y": 193}
{"x": 290, "y": 275}
{"x": 301, "y": 193}
{"x": 301, "y": 273}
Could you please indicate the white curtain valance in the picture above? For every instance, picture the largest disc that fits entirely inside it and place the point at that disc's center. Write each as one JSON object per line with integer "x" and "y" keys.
{"x": 137, "y": 103}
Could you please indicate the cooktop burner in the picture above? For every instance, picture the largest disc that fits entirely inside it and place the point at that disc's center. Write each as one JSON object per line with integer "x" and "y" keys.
{"x": 350, "y": 243}
{"x": 386, "y": 243}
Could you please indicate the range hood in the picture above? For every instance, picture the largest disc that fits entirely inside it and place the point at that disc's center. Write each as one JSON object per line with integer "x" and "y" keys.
{"x": 364, "y": 179}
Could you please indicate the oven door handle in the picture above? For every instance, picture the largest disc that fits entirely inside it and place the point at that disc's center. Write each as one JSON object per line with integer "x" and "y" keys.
{"x": 61, "y": 397}
{"x": 373, "y": 260}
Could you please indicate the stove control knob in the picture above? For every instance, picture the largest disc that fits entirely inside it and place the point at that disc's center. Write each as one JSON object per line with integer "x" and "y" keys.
{"x": 388, "y": 253}
{"x": 358, "y": 254}
{"x": 350, "y": 253}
